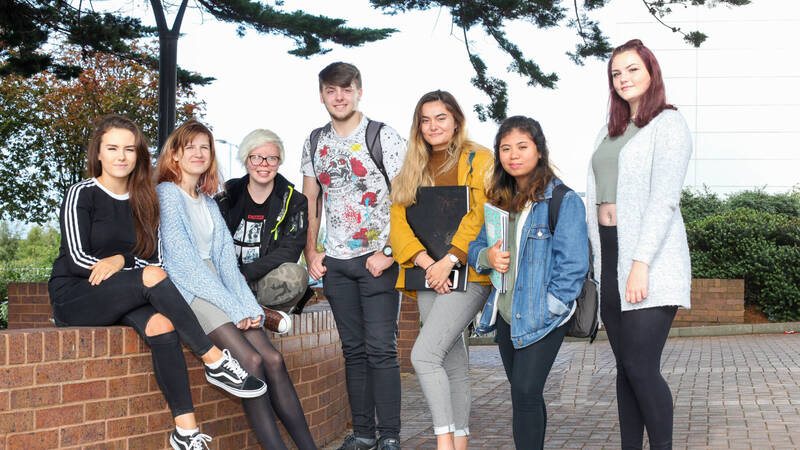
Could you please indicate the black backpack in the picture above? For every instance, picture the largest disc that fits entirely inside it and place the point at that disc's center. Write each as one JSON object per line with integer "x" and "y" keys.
{"x": 373, "y": 139}
{"x": 584, "y": 322}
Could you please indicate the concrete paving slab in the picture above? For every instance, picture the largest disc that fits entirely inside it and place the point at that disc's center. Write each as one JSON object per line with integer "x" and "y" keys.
{"x": 739, "y": 392}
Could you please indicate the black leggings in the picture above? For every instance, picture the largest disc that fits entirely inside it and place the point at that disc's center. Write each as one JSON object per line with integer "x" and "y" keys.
{"x": 260, "y": 359}
{"x": 527, "y": 370}
{"x": 124, "y": 299}
{"x": 637, "y": 339}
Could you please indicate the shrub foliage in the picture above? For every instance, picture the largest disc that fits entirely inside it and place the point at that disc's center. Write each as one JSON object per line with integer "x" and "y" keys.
{"x": 751, "y": 235}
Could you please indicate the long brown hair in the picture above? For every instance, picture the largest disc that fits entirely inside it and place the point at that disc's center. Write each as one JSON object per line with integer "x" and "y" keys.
{"x": 503, "y": 191}
{"x": 141, "y": 195}
{"x": 167, "y": 169}
{"x": 654, "y": 100}
{"x": 416, "y": 171}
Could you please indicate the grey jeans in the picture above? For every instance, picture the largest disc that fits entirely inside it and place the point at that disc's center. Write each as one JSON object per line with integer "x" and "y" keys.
{"x": 440, "y": 355}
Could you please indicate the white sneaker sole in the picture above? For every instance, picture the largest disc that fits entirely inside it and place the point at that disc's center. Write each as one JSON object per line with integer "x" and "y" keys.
{"x": 237, "y": 392}
{"x": 286, "y": 321}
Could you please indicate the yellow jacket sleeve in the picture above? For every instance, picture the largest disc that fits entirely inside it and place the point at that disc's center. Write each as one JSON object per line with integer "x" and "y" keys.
{"x": 404, "y": 242}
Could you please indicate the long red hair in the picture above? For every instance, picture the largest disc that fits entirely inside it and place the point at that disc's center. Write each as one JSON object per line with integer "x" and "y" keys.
{"x": 141, "y": 195}
{"x": 653, "y": 101}
{"x": 167, "y": 169}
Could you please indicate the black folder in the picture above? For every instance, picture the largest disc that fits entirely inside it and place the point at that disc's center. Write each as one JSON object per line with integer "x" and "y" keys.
{"x": 435, "y": 218}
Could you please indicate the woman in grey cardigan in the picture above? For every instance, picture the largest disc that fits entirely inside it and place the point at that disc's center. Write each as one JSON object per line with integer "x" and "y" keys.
{"x": 636, "y": 228}
{"x": 199, "y": 257}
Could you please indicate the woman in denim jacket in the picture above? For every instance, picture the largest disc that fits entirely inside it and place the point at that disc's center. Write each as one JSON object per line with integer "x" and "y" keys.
{"x": 544, "y": 271}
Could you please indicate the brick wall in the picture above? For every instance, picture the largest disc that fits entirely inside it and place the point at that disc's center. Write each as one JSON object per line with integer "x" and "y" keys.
{"x": 29, "y": 306}
{"x": 408, "y": 332}
{"x": 94, "y": 387}
{"x": 714, "y": 302}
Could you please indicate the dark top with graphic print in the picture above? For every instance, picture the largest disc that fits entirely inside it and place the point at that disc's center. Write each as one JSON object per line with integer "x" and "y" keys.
{"x": 282, "y": 233}
{"x": 247, "y": 237}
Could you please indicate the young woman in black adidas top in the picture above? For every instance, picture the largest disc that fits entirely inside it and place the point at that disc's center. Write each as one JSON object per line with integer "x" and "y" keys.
{"x": 107, "y": 273}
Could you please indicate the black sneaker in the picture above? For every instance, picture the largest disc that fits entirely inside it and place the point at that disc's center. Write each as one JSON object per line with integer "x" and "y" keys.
{"x": 389, "y": 444}
{"x": 231, "y": 377}
{"x": 196, "y": 441}
{"x": 351, "y": 443}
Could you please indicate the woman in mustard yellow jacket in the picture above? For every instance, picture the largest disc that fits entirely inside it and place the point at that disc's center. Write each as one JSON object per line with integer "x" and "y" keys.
{"x": 440, "y": 154}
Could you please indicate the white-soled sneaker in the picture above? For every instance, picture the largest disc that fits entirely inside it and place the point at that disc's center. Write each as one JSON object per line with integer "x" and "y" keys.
{"x": 231, "y": 377}
{"x": 196, "y": 441}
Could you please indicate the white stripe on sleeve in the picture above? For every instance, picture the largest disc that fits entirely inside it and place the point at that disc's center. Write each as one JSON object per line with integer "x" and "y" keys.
{"x": 72, "y": 228}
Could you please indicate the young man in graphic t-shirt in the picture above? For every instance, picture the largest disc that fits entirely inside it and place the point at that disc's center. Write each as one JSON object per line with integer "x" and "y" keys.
{"x": 358, "y": 271}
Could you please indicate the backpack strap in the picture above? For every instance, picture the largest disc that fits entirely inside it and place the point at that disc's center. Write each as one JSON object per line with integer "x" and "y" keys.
{"x": 559, "y": 191}
{"x": 313, "y": 140}
{"x": 374, "y": 147}
{"x": 373, "y": 139}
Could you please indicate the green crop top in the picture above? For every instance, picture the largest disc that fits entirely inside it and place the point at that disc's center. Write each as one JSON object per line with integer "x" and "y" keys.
{"x": 605, "y": 164}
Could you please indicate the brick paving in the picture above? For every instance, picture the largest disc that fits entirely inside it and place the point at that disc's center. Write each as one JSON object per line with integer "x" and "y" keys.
{"x": 740, "y": 392}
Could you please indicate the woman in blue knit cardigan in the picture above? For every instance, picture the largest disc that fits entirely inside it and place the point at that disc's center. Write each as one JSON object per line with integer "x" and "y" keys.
{"x": 199, "y": 258}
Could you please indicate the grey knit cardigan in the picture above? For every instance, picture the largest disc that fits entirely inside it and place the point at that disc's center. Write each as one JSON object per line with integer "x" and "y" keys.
{"x": 228, "y": 291}
{"x": 652, "y": 167}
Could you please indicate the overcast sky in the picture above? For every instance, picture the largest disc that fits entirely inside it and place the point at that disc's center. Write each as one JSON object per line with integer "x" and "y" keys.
{"x": 738, "y": 91}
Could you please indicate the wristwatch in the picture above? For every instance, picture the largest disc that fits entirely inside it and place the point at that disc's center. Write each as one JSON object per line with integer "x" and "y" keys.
{"x": 454, "y": 259}
{"x": 387, "y": 250}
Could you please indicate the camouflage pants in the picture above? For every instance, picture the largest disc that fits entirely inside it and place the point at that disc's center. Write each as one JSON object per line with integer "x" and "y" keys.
{"x": 282, "y": 288}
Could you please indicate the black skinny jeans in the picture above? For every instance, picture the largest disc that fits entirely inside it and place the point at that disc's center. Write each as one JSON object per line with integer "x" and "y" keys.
{"x": 366, "y": 311}
{"x": 637, "y": 339}
{"x": 527, "y": 370}
{"x": 124, "y": 299}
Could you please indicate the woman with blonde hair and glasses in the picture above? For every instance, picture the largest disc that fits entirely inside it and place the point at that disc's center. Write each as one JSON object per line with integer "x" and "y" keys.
{"x": 440, "y": 154}
{"x": 268, "y": 219}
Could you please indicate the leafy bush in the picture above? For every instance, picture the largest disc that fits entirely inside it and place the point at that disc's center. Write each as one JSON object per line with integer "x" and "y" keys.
{"x": 785, "y": 203}
{"x": 699, "y": 205}
{"x": 24, "y": 260}
{"x": 761, "y": 247}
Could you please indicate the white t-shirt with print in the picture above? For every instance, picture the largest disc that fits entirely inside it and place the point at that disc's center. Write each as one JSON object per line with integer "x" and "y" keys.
{"x": 354, "y": 191}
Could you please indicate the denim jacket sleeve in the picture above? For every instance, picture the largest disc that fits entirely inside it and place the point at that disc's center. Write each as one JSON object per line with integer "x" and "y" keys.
{"x": 475, "y": 248}
{"x": 570, "y": 251}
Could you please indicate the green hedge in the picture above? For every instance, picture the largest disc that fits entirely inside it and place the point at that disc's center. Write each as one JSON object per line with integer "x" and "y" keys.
{"x": 750, "y": 235}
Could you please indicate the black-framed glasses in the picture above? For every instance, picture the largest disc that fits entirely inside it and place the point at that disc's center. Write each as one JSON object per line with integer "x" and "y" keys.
{"x": 257, "y": 160}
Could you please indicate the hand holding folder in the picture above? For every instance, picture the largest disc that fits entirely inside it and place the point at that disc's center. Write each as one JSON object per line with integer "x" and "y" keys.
{"x": 435, "y": 219}
{"x": 496, "y": 222}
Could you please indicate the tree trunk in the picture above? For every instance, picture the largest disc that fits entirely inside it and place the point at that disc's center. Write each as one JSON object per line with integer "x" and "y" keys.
{"x": 167, "y": 69}
{"x": 167, "y": 85}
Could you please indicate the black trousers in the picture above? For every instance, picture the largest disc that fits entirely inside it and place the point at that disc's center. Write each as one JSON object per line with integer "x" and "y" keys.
{"x": 527, "y": 370}
{"x": 124, "y": 299}
{"x": 637, "y": 339}
{"x": 366, "y": 311}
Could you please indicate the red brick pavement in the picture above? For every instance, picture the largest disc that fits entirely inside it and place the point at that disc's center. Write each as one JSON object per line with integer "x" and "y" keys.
{"x": 739, "y": 392}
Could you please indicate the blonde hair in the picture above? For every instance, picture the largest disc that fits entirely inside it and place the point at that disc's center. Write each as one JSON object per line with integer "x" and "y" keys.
{"x": 415, "y": 171}
{"x": 257, "y": 138}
